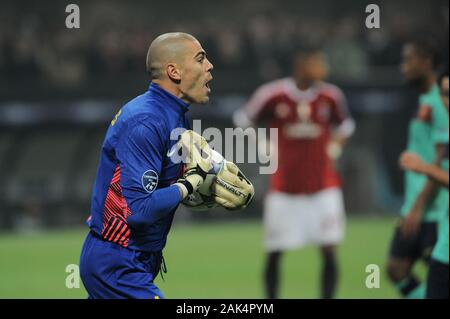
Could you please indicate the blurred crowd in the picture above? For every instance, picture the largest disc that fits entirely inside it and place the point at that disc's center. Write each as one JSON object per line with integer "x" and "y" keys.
{"x": 256, "y": 36}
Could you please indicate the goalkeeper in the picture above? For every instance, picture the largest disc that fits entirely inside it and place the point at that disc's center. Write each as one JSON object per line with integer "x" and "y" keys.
{"x": 138, "y": 188}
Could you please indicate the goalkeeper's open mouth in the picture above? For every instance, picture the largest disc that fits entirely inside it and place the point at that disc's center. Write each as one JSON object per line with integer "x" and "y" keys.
{"x": 208, "y": 88}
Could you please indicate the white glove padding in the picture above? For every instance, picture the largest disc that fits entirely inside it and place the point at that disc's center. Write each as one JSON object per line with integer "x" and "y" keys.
{"x": 195, "y": 151}
{"x": 196, "y": 154}
{"x": 199, "y": 202}
{"x": 202, "y": 200}
{"x": 231, "y": 189}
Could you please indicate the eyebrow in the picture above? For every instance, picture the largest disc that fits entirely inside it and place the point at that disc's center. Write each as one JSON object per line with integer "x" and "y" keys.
{"x": 200, "y": 53}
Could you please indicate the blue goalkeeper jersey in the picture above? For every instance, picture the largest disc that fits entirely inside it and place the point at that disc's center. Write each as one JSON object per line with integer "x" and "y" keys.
{"x": 133, "y": 200}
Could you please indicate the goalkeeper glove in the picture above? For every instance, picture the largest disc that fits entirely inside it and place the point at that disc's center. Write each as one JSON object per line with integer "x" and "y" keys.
{"x": 196, "y": 154}
{"x": 231, "y": 189}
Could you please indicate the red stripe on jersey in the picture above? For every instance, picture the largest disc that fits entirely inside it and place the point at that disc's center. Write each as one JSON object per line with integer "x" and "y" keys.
{"x": 123, "y": 240}
{"x": 112, "y": 225}
{"x": 117, "y": 226}
{"x": 120, "y": 233}
{"x": 115, "y": 213}
{"x": 108, "y": 228}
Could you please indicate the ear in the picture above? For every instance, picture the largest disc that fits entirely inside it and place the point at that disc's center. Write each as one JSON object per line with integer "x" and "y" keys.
{"x": 173, "y": 72}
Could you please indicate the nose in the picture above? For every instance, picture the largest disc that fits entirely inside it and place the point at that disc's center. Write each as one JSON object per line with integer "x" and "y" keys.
{"x": 210, "y": 66}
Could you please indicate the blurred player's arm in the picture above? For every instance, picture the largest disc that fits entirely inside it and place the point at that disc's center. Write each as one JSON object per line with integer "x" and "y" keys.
{"x": 411, "y": 161}
{"x": 140, "y": 152}
{"x": 340, "y": 136}
{"x": 345, "y": 125}
{"x": 411, "y": 224}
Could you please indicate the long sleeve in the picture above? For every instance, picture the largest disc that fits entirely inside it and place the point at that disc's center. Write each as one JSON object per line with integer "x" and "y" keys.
{"x": 141, "y": 155}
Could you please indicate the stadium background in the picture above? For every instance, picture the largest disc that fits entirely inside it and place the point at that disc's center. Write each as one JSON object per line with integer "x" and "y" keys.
{"x": 60, "y": 88}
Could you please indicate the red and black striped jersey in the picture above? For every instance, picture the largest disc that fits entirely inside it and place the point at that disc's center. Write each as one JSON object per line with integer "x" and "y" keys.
{"x": 305, "y": 120}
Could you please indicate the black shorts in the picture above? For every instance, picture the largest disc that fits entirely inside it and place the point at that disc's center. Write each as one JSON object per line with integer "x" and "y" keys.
{"x": 437, "y": 281}
{"x": 415, "y": 248}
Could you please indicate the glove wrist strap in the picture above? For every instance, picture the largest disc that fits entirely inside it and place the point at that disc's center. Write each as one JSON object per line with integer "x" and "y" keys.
{"x": 185, "y": 187}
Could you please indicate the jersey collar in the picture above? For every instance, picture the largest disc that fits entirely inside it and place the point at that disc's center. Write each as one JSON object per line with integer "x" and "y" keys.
{"x": 171, "y": 99}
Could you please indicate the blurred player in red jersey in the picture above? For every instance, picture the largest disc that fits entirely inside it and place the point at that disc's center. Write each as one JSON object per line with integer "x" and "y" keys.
{"x": 305, "y": 203}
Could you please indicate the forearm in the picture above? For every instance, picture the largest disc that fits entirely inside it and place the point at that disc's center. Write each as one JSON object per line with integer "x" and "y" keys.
{"x": 344, "y": 131}
{"x": 154, "y": 207}
{"x": 336, "y": 145}
{"x": 427, "y": 193}
{"x": 340, "y": 139}
{"x": 437, "y": 174}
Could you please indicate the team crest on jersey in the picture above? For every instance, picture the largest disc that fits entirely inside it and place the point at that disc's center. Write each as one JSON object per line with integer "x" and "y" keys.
{"x": 282, "y": 110}
{"x": 150, "y": 180}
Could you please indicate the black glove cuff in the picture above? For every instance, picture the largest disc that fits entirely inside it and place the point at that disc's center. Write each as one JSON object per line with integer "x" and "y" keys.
{"x": 201, "y": 172}
{"x": 188, "y": 186}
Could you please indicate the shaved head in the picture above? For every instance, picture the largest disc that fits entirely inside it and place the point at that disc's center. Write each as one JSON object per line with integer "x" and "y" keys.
{"x": 167, "y": 48}
{"x": 177, "y": 63}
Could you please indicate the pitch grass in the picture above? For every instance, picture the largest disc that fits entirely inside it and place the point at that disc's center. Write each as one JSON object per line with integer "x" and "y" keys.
{"x": 204, "y": 261}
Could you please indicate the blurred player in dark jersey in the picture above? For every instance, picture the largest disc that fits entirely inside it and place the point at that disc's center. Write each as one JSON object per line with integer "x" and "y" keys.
{"x": 304, "y": 205}
{"x": 424, "y": 203}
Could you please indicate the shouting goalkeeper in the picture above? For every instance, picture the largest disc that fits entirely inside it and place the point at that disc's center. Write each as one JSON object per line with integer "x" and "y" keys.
{"x": 139, "y": 187}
